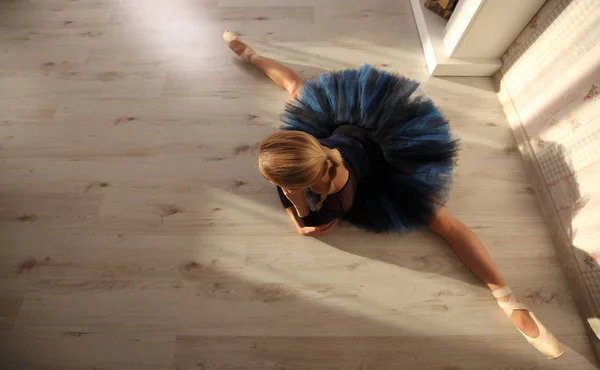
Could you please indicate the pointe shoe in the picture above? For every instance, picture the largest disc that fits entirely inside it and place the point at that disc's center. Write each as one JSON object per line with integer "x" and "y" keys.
{"x": 230, "y": 36}
{"x": 545, "y": 342}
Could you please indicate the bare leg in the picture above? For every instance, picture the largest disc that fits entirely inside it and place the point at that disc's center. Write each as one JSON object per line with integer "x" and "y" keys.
{"x": 280, "y": 74}
{"x": 473, "y": 254}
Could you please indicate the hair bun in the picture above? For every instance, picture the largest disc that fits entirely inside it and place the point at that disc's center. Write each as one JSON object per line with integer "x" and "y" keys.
{"x": 334, "y": 157}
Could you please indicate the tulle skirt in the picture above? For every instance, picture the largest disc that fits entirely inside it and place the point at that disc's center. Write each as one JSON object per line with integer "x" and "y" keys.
{"x": 414, "y": 176}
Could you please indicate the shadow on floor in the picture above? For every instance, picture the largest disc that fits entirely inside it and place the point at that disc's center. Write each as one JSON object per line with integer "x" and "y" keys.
{"x": 421, "y": 251}
{"x": 293, "y": 325}
{"x": 561, "y": 177}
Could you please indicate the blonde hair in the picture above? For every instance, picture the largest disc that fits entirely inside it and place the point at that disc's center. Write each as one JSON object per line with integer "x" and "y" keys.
{"x": 296, "y": 160}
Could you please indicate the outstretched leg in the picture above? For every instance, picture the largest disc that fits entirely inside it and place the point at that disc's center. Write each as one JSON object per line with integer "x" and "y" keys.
{"x": 280, "y": 74}
{"x": 470, "y": 250}
{"x": 473, "y": 254}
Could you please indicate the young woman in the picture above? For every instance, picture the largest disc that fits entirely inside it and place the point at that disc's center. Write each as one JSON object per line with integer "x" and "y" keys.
{"x": 364, "y": 146}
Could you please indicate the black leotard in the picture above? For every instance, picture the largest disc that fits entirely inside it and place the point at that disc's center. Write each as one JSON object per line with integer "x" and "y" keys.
{"x": 357, "y": 160}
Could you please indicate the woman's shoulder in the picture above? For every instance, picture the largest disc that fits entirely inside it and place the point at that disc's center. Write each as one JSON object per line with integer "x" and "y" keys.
{"x": 339, "y": 139}
{"x": 347, "y": 145}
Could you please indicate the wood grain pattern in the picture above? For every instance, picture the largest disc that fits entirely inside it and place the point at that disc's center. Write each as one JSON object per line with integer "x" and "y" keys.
{"x": 136, "y": 232}
{"x": 10, "y": 304}
{"x": 71, "y": 347}
{"x": 342, "y": 353}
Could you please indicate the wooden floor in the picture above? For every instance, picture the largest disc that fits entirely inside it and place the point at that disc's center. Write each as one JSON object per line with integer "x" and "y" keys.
{"x": 137, "y": 234}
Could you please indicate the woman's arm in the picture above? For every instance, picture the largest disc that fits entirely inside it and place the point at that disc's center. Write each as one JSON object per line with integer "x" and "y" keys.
{"x": 294, "y": 203}
{"x": 298, "y": 200}
{"x": 309, "y": 230}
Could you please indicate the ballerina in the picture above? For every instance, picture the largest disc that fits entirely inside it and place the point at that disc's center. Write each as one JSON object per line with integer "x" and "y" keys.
{"x": 364, "y": 146}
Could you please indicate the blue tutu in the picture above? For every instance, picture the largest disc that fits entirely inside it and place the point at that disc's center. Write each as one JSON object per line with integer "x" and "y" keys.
{"x": 415, "y": 174}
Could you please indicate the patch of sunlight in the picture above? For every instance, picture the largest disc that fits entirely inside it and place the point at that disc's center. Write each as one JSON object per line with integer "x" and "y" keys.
{"x": 165, "y": 24}
{"x": 594, "y": 323}
{"x": 246, "y": 207}
{"x": 564, "y": 93}
{"x": 314, "y": 271}
{"x": 584, "y": 222}
{"x": 545, "y": 73}
{"x": 492, "y": 142}
{"x": 387, "y": 294}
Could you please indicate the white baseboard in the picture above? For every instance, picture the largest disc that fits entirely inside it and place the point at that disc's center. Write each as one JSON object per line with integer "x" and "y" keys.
{"x": 431, "y": 29}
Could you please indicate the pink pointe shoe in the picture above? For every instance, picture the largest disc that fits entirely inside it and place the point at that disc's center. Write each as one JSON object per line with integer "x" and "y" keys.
{"x": 238, "y": 46}
{"x": 545, "y": 342}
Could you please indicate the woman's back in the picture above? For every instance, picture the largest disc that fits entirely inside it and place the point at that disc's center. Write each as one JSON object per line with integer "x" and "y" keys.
{"x": 356, "y": 161}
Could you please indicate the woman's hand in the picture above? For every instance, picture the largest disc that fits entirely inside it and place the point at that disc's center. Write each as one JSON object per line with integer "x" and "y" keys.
{"x": 321, "y": 230}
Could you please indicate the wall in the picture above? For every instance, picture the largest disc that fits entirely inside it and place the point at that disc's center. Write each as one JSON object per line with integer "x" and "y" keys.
{"x": 495, "y": 25}
{"x": 551, "y": 77}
